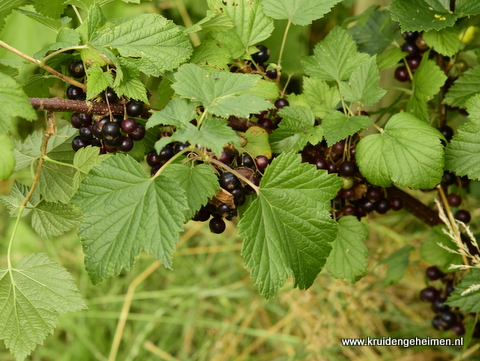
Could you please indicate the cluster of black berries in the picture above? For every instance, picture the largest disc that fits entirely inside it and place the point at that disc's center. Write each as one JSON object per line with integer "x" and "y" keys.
{"x": 269, "y": 119}
{"x": 260, "y": 58}
{"x": 224, "y": 207}
{"x": 357, "y": 197}
{"x": 414, "y": 46}
{"x": 446, "y": 317}
{"x": 156, "y": 160}
{"x": 111, "y": 133}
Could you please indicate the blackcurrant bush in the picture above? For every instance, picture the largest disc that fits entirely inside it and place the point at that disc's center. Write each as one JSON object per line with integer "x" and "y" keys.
{"x": 228, "y": 181}
{"x": 75, "y": 120}
{"x": 401, "y": 74}
{"x": 463, "y": 216}
{"x": 347, "y": 169}
{"x": 138, "y": 133}
{"x": 281, "y": 103}
{"x": 454, "y": 200}
{"x": 396, "y": 204}
{"x": 126, "y": 144}
{"x": 73, "y": 92}
{"x": 382, "y": 206}
{"x": 433, "y": 273}
{"x": 76, "y": 69}
{"x": 217, "y": 225}
{"x": 262, "y": 55}
{"x": 78, "y": 143}
{"x": 429, "y": 294}
{"x": 85, "y": 132}
{"x": 134, "y": 108}
{"x": 128, "y": 125}
{"x": 110, "y": 130}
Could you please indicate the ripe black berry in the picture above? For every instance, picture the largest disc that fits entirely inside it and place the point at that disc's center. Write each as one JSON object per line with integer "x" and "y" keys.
{"x": 439, "y": 305}
{"x": 262, "y": 56}
{"x": 321, "y": 163}
{"x": 247, "y": 161}
{"x": 237, "y": 193}
{"x": 180, "y": 146}
{"x": 410, "y": 36}
{"x": 117, "y": 119}
{"x": 75, "y": 120}
{"x": 272, "y": 74}
{"x": 138, "y": 133}
{"x": 202, "y": 215}
{"x": 449, "y": 318}
{"x": 367, "y": 206}
{"x": 410, "y": 49}
{"x": 449, "y": 178}
{"x": 134, "y": 108}
{"x": 217, "y": 225}
{"x": 339, "y": 147}
{"x": 262, "y": 162}
{"x": 281, "y": 103}
{"x": 85, "y": 132}
{"x": 166, "y": 153}
{"x": 126, "y": 144}
{"x": 447, "y": 132}
{"x": 114, "y": 142}
{"x": 401, "y": 74}
{"x": 458, "y": 329}
{"x": 110, "y": 95}
{"x": 128, "y": 125}
{"x": 348, "y": 193}
{"x": 347, "y": 169}
{"x": 429, "y": 294}
{"x": 439, "y": 324}
{"x": 78, "y": 143}
{"x": 110, "y": 130}
{"x": 414, "y": 62}
{"x": 454, "y": 200}
{"x": 396, "y": 204}
{"x": 374, "y": 194}
{"x": 463, "y": 216}
{"x": 421, "y": 44}
{"x": 266, "y": 123}
{"x": 153, "y": 158}
{"x": 85, "y": 118}
{"x": 73, "y": 92}
{"x": 76, "y": 69}
{"x": 349, "y": 210}
{"x": 433, "y": 273}
{"x": 382, "y": 206}
{"x": 224, "y": 209}
{"x": 228, "y": 181}
{"x": 97, "y": 128}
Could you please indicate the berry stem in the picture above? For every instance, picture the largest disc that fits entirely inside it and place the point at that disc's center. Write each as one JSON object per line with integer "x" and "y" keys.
{"x": 39, "y": 63}
{"x": 233, "y": 171}
{"x": 78, "y": 14}
{"x": 187, "y": 21}
{"x": 283, "y": 45}
{"x": 44, "y": 60}
{"x": 378, "y": 128}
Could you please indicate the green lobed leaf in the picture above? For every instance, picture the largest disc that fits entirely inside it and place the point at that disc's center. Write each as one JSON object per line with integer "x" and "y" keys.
{"x": 467, "y": 7}
{"x": 397, "y": 264}
{"x": 473, "y": 108}
{"x": 363, "y": 84}
{"x": 200, "y": 183}
{"x": 257, "y": 142}
{"x": 436, "y": 255}
{"x": 210, "y": 53}
{"x": 408, "y": 153}
{"x": 11, "y": 67}
{"x": 130, "y": 85}
{"x": 14, "y": 199}
{"x": 86, "y": 4}
{"x": 390, "y": 58}
{"x": 49, "y": 22}
{"x": 38, "y": 86}
{"x": 469, "y": 302}
{"x": 13, "y": 102}
{"x": 320, "y": 96}
{"x": 422, "y": 15}
{"x": 348, "y": 259}
{"x": 461, "y": 154}
{"x": 296, "y": 129}
{"x": 221, "y": 92}
{"x": 427, "y": 81}
{"x": 156, "y": 41}
{"x": 178, "y": 112}
{"x": 6, "y": 8}
{"x": 299, "y": 12}
{"x": 335, "y": 58}
{"x": 250, "y": 26}
{"x": 464, "y": 88}
{"x": 95, "y": 21}
{"x": 445, "y": 41}
{"x": 287, "y": 228}
{"x": 97, "y": 81}
{"x": 85, "y": 159}
{"x": 66, "y": 37}
{"x": 50, "y": 8}
{"x": 338, "y": 126}
{"x": 54, "y": 219}
{"x": 32, "y": 295}
{"x": 376, "y": 34}
{"x": 7, "y": 160}
{"x": 126, "y": 212}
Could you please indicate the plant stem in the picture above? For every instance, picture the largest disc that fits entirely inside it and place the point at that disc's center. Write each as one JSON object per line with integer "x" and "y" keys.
{"x": 238, "y": 175}
{"x": 48, "y": 133}
{"x": 48, "y": 159}
{"x": 46, "y": 67}
{"x": 44, "y": 60}
{"x": 171, "y": 160}
{"x": 187, "y": 21}
{"x": 378, "y": 128}
{"x": 78, "y": 14}
{"x": 283, "y": 43}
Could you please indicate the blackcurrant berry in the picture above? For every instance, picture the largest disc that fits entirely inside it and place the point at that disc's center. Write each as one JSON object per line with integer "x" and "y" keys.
{"x": 153, "y": 159}
{"x": 75, "y": 120}
{"x": 411, "y": 49}
{"x": 110, "y": 95}
{"x": 262, "y": 55}
{"x": 439, "y": 324}
{"x": 401, "y": 74}
{"x": 76, "y": 69}
{"x": 78, "y": 143}
{"x": 414, "y": 62}
{"x": 262, "y": 162}
{"x": 339, "y": 147}
{"x": 449, "y": 178}
{"x": 228, "y": 181}
{"x": 367, "y": 206}
{"x": 433, "y": 273}
{"x": 166, "y": 153}
{"x": 458, "y": 329}
{"x": 272, "y": 74}
{"x": 237, "y": 193}
{"x": 202, "y": 215}
{"x": 85, "y": 132}
{"x": 73, "y": 92}
{"x": 463, "y": 216}
{"x": 449, "y": 317}
{"x": 138, "y": 133}
{"x": 96, "y": 142}
{"x": 217, "y": 225}
{"x": 97, "y": 128}
{"x": 134, "y": 108}
{"x": 374, "y": 194}
{"x": 347, "y": 183}
{"x": 429, "y": 294}
{"x": 128, "y": 125}
{"x": 232, "y": 215}
{"x": 266, "y": 123}
{"x": 247, "y": 161}
{"x": 439, "y": 305}
{"x": 382, "y": 206}
{"x": 110, "y": 149}
{"x": 117, "y": 119}
{"x": 110, "y": 130}
{"x": 224, "y": 209}
{"x": 454, "y": 200}
{"x": 321, "y": 163}
{"x": 180, "y": 146}
{"x": 114, "y": 142}
{"x": 348, "y": 193}
{"x": 410, "y": 36}
{"x": 349, "y": 210}
{"x": 85, "y": 118}
{"x": 332, "y": 168}
{"x": 281, "y": 103}
{"x": 447, "y": 132}
{"x": 155, "y": 169}
{"x": 126, "y": 144}
{"x": 421, "y": 44}
{"x": 347, "y": 169}
{"x": 396, "y": 204}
